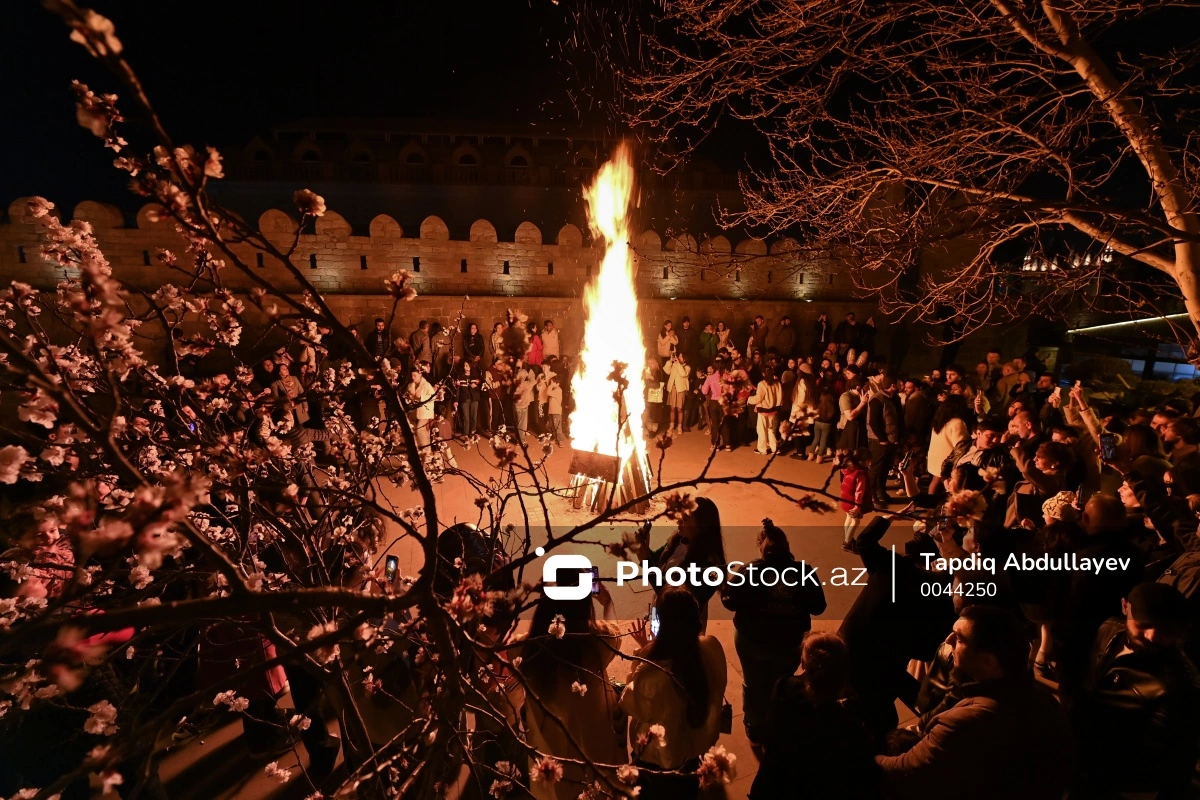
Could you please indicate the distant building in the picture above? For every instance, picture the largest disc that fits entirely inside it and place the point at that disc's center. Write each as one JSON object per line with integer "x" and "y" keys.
{"x": 459, "y": 172}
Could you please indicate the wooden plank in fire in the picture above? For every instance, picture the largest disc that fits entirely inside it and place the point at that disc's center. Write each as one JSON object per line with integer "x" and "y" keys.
{"x": 595, "y": 465}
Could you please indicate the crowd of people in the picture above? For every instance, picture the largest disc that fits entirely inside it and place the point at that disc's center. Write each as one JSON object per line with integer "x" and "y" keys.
{"x": 1058, "y": 680}
{"x": 1043, "y": 683}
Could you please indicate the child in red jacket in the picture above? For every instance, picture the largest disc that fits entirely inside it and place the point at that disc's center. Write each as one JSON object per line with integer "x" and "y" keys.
{"x": 856, "y": 494}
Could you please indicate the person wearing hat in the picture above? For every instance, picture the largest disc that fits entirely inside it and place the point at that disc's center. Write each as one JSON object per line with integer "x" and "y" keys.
{"x": 1039, "y": 591}
{"x": 1138, "y": 720}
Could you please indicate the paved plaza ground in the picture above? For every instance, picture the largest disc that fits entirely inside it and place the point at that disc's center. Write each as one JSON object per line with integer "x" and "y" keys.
{"x": 815, "y": 538}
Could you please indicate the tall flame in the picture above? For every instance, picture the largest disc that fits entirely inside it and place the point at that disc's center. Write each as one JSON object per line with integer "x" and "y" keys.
{"x": 612, "y": 332}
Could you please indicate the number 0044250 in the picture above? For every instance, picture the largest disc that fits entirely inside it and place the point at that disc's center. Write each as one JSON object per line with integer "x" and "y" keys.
{"x": 973, "y": 589}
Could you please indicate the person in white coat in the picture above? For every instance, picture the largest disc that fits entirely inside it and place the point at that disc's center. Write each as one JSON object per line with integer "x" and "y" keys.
{"x": 678, "y": 386}
{"x": 767, "y": 400}
{"x": 420, "y": 396}
{"x": 950, "y": 435}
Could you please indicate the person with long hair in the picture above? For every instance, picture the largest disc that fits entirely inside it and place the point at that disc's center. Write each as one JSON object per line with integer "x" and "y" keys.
{"x": 567, "y": 686}
{"x": 823, "y": 427}
{"x": 951, "y": 437}
{"x": 678, "y": 683}
{"x": 668, "y": 341}
{"x": 535, "y": 354}
{"x": 723, "y": 334}
{"x": 811, "y": 743}
{"x": 465, "y": 393}
{"x": 710, "y": 395}
{"x": 697, "y": 540}
{"x": 1141, "y": 451}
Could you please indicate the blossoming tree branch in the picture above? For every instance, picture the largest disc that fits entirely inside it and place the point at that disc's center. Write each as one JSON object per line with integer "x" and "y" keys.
{"x": 153, "y": 520}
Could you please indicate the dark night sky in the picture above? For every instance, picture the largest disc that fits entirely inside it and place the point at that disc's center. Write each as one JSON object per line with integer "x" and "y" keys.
{"x": 227, "y": 69}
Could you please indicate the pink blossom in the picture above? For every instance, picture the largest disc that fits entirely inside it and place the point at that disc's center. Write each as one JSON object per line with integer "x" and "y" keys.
{"x": 679, "y": 504}
{"x": 654, "y": 733}
{"x": 399, "y": 285}
{"x": 231, "y": 699}
{"x": 140, "y": 577}
{"x": 470, "y": 600}
{"x": 966, "y": 505}
{"x": 39, "y": 207}
{"x": 627, "y": 774}
{"x": 546, "y": 770}
{"x": 309, "y": 202}
{"x": 277, "y": 772}
{"x": 155, "y": 541}
{"x": 103, "y": 719}
{"x": 507, "y": 776}
{"x": 326, "y": 653}
{"x": 716, "y": 767}
{"x": 98, "y": 113}
{"x": 109, "y": 535}
{"x": 12, "y": 459}
{"x": 212, "y": 167}
{"x": 96, "y": 33}
{"x": 558, "y": 627}
{"x": 109, "y": 779}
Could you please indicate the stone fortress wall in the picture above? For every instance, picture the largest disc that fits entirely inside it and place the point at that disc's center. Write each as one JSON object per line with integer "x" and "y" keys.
{"x": 542, "y": 275}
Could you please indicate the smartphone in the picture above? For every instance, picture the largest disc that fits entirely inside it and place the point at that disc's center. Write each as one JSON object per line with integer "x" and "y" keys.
{"x": 389, "y": 570}
{"x": 595, "y": 580}
{"x": 654, "y": 623}
{"x": 1078, "y": 384}
{"x": 1108, "y": 446}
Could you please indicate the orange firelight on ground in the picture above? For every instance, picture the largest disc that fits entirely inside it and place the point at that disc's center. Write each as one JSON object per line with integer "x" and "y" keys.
{"x": 612, "y": 332}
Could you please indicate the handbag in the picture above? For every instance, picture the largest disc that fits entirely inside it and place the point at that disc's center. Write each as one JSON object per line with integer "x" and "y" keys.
{"x": 655, "y": 395}
{"x": 726, "y": 716}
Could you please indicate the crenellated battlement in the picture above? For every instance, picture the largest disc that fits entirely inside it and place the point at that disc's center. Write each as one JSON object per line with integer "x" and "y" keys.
{"x": 533, "y": 263}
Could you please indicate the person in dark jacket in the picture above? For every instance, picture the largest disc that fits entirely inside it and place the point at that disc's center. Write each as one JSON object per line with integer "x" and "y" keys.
{"x": 1005, "y": 737}
{"x": 891, "y": 622}
{"x": 1094, "y": 597}
{"x": 466, "y": 392}
{"x": 1138, "y": 718}
{"x": 866, "y": 338}
{"x": 419, "y": 341}
{"x": 689, "y": 340}
{"x": 812, "y": 745}
{"x": 379, "y": 341}
{"x": 884, "y": 434}
{"x": 474, "y": 347}
{"x": 783, "y": 338}
{"x": 822, "y": 336}
{"x": 708, "y": 346}
{"x": 772, "y": 606}
{"x": 846, "y": 334}
{"x": 757, "y": 341}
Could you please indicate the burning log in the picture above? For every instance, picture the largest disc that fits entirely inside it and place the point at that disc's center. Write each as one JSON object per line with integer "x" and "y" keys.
{"x": 599, "y": 482}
